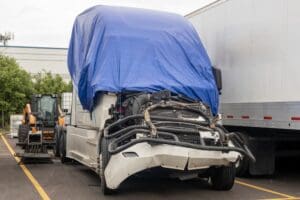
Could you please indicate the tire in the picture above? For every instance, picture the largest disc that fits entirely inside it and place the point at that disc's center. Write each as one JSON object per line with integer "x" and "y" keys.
{"x": 105, "y": 156}
{"x": 222, "y": 178}
{"x": 56, "y": 147}
{"x": 23, "y": 133}
{"x": 62, "y": 148}
{"x": 242, "y": 166}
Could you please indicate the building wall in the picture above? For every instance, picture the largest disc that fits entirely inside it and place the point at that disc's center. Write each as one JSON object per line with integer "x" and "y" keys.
{"x": 36, "y": 59}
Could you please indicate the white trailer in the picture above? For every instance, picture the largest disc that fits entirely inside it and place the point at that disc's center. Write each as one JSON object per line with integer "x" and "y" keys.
{"x": 256, "y": 45}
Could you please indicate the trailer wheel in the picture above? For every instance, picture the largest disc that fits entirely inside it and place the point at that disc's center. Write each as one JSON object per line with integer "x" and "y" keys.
{"x": 104, "y": 159}
{"x": 242, "y": 166}
{"x": 23, "y": 133}
{"x": 56, "y": 148}
{"x": 62, "y": 148}
{"x": 222, "y": 178}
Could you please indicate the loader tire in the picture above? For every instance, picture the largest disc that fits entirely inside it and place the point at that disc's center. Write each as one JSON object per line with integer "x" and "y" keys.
{"x": 222, "y": 178}
{"x": 104, "y": 159}
{"x": 23, "y": 133}
{"x": 57, "y": 134}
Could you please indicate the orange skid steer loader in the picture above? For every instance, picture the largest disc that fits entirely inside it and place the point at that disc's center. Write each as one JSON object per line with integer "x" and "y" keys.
{"x": 37, "y": 132}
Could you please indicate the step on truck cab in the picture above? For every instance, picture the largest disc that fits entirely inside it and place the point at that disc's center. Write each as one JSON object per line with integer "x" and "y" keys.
{"x": 145, "y": 97}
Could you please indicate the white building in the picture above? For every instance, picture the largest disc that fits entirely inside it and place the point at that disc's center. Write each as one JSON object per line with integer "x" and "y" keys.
{"x": 36, "y": 59}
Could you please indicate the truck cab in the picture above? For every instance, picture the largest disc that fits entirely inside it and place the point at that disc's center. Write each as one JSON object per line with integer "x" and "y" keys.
{"x": 145, "y": 97}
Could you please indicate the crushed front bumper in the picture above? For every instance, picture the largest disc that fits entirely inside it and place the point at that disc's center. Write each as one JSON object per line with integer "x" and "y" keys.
{"x": 143, "y": 156}
{"x": 138, "y": 147}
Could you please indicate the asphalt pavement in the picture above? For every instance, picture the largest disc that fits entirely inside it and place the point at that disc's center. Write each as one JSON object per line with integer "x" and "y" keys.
{"x": 75, "y": 181}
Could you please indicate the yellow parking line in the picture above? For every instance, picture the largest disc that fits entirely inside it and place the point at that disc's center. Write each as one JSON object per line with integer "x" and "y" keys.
{"x": 286, "y": 196}
{"x": 34, "y": 182}
{"x": 296, "y": 198}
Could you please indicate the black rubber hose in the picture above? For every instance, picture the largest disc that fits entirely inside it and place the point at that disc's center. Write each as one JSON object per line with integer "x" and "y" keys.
{"x": 122, "y": 131}
{"x": 131, "y": 133}
{"x": 131, "y": 117}
{"x": 182, "y": 124}
{"x": 222, "y": 134}
{"x": 222, "y": 127}
{"x": 164, "y": 129}
{"x": 237, "y": 141}
{"x": 179, "y": 120}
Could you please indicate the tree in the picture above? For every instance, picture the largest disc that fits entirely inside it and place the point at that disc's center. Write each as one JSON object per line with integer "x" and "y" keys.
{"x": 47, "y": 83}
{"x": 16, "y": 87}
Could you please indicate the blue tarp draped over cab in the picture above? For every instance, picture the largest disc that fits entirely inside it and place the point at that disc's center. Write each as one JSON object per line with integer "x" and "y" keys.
{"x": 120, "y": 49}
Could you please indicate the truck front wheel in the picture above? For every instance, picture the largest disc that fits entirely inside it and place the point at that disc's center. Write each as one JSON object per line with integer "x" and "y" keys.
{"x": 222, "y": 178}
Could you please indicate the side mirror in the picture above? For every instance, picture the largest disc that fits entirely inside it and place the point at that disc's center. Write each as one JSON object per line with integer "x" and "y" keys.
{"x": 218, "y": 78}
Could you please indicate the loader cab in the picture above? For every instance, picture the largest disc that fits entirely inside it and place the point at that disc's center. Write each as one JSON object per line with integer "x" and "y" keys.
{"x": 44, "y": 107}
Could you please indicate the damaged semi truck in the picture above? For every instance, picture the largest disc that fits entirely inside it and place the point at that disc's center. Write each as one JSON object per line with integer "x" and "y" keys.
{"x": 145, "y": 96}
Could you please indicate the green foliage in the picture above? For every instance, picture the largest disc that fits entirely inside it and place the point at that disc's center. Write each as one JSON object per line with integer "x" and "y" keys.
{"x": 47, "y": 83}
{"x": 15, "y": 86}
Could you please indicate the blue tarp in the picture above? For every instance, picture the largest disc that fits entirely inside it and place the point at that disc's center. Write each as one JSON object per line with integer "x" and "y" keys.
{"x": 120, "y": 49}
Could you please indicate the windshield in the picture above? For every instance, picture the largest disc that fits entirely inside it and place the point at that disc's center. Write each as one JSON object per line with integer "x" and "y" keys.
{"x": 46, "y": 108}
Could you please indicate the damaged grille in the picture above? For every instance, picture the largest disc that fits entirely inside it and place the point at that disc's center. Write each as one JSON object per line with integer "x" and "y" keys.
{"x": 163, "y": 119}
{"x": 193, "y": 139}
{"x": 159, "y": 118}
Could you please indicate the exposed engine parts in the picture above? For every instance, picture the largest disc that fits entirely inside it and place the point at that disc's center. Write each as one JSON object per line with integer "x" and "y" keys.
{"x": 161, "y": 118}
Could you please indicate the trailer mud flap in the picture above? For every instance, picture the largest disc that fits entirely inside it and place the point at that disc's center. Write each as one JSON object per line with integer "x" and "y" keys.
{"x": 264, "y": 151}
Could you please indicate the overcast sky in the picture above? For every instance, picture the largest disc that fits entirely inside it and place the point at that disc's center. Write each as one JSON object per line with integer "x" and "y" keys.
{"x": 49, "y": 22}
